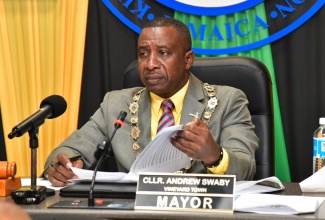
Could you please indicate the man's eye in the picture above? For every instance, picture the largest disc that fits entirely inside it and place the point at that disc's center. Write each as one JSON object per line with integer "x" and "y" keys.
{"x": 164, "y": 53}
{"x": 143, "y": 53}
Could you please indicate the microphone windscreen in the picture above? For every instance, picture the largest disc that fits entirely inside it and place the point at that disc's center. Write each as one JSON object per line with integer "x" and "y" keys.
{"x": 58, "y": 104}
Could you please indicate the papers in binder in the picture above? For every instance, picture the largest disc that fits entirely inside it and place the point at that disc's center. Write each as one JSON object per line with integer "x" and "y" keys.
{"x": 159, "y": 156}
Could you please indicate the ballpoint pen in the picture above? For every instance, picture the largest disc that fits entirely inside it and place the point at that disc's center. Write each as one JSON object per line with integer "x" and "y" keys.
{"x": 71, "y": 159}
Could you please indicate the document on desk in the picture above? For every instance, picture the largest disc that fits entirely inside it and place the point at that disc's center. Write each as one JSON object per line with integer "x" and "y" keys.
{"x": 277, "y": 204}
{"x": 158, "y": 156}
{"x": 266, "y": 185}
{"x": 314, "y": 183}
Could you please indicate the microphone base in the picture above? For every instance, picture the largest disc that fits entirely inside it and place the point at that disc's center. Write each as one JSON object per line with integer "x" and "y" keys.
{"x": 29, "y": 194}
{"x": 99, "y": 204}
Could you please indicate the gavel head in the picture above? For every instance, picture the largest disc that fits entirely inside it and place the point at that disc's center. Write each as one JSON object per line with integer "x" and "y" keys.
{"x": 7, "y": 169}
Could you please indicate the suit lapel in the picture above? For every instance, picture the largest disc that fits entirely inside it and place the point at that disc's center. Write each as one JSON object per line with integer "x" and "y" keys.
{"x": 194, "y": 101}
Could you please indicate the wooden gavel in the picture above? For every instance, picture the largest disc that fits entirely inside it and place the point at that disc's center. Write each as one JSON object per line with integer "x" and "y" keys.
{"x": 8, "y": 181}
{"x": 7, "y": 170}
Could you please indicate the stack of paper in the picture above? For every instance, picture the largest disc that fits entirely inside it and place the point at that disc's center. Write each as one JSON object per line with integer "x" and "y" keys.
{"x": 159, "y": 156}
{"x": 277, "y": 204}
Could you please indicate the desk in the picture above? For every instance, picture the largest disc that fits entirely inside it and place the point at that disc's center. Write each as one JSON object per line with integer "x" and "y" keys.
{"x": 41, "y": 209}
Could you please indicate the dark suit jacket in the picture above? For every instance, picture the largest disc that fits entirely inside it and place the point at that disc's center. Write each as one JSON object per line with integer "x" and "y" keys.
{"x": 230, "y": 126}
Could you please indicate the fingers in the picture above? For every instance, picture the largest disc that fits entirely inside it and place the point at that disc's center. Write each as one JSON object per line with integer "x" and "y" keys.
{"x": 196, "y": 141}
{"x": 187, "y": 141}
{"x": 184, "y": 145}
{"x": 64, "y": 160}
{"x": 195, "y": 131}
{"x": 196, "y": 126}
{"x": 60, "y": 174}
{"x": 78, "y": 164}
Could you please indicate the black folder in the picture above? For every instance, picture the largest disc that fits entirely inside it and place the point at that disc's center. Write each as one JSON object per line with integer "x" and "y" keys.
{"x": 101, "y": 190}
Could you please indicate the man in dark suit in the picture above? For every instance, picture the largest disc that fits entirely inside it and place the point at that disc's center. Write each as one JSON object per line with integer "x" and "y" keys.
{"x": 218, "y": 134}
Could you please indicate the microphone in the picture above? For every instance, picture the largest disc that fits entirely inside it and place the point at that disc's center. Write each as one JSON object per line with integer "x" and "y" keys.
{"x": 103, "y": 150}
{"x": 51, "y": 107}
{"x": 118, "y": 123}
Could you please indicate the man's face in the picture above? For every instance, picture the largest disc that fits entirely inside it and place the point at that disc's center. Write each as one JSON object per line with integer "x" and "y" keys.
{"x": 163, "y": 63}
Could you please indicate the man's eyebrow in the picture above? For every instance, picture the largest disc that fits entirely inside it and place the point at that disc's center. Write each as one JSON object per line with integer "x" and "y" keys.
{"x": 143, "y": 46}
{"x": 157, "y": 46}
{"x": 163, "y": 47}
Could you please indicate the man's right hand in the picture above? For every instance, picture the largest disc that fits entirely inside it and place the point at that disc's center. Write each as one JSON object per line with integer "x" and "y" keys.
{"x": 60, "y": 174}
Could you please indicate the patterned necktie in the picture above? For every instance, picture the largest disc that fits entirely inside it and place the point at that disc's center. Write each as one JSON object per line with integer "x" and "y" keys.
{"x": 167, "y": 118}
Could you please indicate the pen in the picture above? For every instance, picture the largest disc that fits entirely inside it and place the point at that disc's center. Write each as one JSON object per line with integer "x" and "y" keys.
{"x": 74, "y": 158}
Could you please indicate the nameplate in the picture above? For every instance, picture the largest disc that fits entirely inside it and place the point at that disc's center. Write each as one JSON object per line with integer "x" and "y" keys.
{"x": 185, "y": 192}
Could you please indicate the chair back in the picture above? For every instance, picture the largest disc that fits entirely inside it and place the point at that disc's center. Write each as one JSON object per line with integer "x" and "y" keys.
{"x": 253, "y": 78}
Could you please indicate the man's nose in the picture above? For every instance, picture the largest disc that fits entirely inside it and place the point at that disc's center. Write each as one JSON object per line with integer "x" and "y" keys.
{"x": 153, "y": 62}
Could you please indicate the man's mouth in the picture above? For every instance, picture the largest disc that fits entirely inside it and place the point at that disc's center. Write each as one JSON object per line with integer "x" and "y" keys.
{"x": 153, "y": 80}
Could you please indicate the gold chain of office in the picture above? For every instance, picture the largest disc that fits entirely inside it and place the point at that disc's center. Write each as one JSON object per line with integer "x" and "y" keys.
{"x": 134, "y": 106}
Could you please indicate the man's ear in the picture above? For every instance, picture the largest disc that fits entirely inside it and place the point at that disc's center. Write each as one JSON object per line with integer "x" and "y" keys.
{"x": 189, "y": 59}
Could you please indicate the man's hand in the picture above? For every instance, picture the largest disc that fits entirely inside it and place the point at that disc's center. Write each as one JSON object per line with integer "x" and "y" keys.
{"x": 59, "y": 175}
{"x": 196, "y": 141}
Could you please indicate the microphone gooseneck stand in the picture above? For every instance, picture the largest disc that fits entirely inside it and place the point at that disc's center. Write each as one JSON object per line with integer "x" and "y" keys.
{"x": 91, "y": 199}
{"x": 51, "y": 107}
{"x": 32, "y": 194}
{"x": 33, "y": 143}
{"x": 106, "y": 152}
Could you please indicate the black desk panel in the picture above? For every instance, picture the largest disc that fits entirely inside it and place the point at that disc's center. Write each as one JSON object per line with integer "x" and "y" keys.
{"x": 40, "y": 211}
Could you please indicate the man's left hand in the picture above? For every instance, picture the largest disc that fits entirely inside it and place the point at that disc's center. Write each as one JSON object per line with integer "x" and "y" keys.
{"x": 196, "y": 141}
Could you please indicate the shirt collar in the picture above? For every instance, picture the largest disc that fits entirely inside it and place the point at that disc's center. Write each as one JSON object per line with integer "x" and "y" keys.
{"x": 177, "y": 98}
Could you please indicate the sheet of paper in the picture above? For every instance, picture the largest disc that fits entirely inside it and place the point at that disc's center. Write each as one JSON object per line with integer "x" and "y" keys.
{"x": 39, "y": 182}
{"x": 314, "y": 183}
{"x": 270, "y": 184}
{"x": 87, "y": 175}
{"x": 277, "y": 204}
{"x": 160, "y": 155}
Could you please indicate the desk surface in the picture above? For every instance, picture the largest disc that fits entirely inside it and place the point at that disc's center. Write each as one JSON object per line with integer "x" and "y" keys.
{"x": 42, "y": 209}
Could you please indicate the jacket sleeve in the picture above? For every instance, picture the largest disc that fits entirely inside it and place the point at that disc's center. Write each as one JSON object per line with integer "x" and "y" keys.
{"x": 238, "y": 137}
